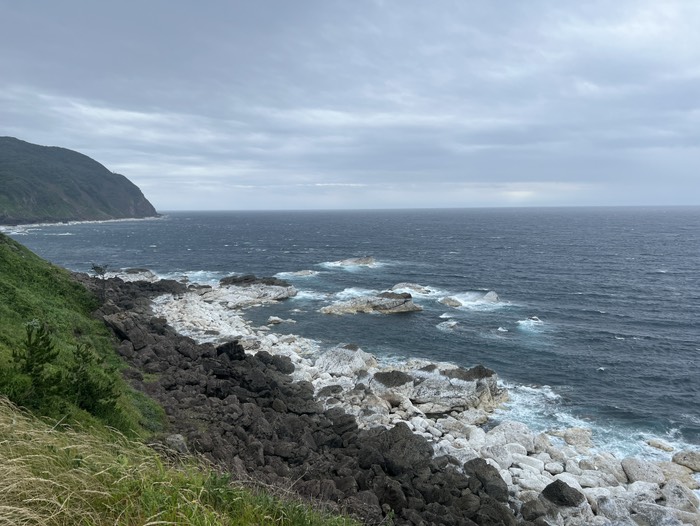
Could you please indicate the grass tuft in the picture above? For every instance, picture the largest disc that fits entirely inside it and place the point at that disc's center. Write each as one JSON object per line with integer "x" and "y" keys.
{"x": 59, "y": 476}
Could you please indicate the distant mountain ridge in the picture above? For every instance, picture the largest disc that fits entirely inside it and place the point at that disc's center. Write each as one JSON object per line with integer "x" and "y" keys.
{"x": 52, "y": 184}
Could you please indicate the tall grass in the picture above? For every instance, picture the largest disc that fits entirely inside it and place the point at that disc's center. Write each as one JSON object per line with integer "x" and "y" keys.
{"x": 55, "y": 476}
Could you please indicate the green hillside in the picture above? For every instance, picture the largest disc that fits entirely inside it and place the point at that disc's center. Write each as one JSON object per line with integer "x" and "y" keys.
{"x": 50, "y": 184}
{"x": 60, "y": 465}
{"x": 54, "y": 357}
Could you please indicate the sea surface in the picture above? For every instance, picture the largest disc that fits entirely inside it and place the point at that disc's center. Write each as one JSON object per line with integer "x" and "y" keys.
{"x": 597, "y": 323}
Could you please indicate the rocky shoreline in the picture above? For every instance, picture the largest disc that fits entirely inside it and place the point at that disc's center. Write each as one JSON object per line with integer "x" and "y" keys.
{"x": 404, "y": 441}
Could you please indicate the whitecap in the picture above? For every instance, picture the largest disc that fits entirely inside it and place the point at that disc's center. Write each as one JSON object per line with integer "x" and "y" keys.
{"x": 446, "y": 315}
{"x": 502, "y": 329}
{"x": 476, "y": 301}
{"x": 310, "y": 295}
{"x": 354, "y": 292}
{"x": 447, "y": 325}
{"x": 297, "y": 274}
{"x": 416, "y": 290}
{"x": 531, "y": 324}
{"x": 353, "y": 264}
{"x": 133, "y": 275}
{"x": 199, "y": 277}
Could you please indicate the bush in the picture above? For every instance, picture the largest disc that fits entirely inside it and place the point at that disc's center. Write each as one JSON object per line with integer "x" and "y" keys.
{"x": 40, "y": 379}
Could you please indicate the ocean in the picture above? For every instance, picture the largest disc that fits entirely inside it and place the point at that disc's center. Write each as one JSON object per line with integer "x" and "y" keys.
{"x": 596, "y": 323}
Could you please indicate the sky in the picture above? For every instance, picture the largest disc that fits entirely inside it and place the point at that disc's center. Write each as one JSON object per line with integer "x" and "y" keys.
{"x": 328, "y": 104}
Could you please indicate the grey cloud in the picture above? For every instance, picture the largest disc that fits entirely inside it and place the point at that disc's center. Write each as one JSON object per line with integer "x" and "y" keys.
{"x": 322, "y": 102}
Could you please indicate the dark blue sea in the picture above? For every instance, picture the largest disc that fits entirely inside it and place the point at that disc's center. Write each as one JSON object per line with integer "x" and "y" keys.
{"x": 616, "y": 290}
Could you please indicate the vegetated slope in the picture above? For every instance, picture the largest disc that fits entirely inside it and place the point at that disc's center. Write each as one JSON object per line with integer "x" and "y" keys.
{"x": 50, "y": 184}
{"x": 74, "y": 373}
{"x": 71, "y": 468}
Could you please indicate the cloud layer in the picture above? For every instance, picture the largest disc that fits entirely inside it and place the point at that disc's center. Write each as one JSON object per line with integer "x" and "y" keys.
{"x": 366, "y": 104}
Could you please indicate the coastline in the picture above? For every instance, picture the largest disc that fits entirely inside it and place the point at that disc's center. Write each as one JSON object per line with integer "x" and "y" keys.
{"x": 352, "y": 381}
{"x": 16, "y": 229}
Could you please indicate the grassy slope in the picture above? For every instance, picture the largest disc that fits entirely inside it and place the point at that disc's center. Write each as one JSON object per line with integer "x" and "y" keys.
{"x": 79, "y": 472}
{"x": 62, "y": 477}
{"x": 32, "y": 289}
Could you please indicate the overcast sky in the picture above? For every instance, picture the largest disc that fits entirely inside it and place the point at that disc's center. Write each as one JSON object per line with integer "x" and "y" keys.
{"x": 301, "y": 104}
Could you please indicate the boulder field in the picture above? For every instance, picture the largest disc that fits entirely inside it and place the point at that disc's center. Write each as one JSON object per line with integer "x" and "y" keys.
{"x": 404, "y": 441}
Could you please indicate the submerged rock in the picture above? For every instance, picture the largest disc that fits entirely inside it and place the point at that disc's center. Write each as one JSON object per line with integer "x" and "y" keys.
{"x": 364, "y": 261}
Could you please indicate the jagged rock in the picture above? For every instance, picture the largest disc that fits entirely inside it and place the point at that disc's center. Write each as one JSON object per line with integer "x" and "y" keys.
{"x": 660, "y": 444}
{"x": 606, "y": 463}
{"x": 638, "y": 470}
{"x": 384, "y": 303}
{"x": 614, "y": 509}
{"x": 449, "y": 301}
{"x": 275, "y": 320}
{"x": 491, "y": 296}
{"x": 689, "y": 459}
{"x": 344, "y": 361}
{"x": 561, "y": 494}
{"x": 177, "y": 443}
{"x": 684, "y": 475}
{"x": 391, "y": 379}
{"x": 654, "y": 515}
{"x": 401, "y": 449}
{"x": 511, "y": 433}
{"x": 679, "y": 497}
{"x": 249, "y": 279}
{"x": 233, "y": 350}
{"x": 578, "y": 437}
{"x": 499, "y": 454}
{"x": 488, "y": 477}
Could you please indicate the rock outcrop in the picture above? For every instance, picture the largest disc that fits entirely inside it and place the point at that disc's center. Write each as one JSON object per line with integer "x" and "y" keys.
{"x": 246, "y": 413}
{"x": 383, "y": 303}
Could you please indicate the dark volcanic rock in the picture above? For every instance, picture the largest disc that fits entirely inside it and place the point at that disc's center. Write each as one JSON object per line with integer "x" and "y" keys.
{"x": 393, "y": 378}
{"x": 561, "y": 494}
{"x": 485, "y": 477}
{"x": 475, "y": 373}
{"x": 250, "y": 279}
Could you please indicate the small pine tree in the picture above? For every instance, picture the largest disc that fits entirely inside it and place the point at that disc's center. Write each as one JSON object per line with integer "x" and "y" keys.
{"x": 93, "y": 386}
{"x": 35, "y": 379}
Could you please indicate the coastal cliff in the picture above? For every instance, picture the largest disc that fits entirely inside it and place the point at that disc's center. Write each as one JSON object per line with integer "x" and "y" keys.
{"x": 50, "y": 184}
